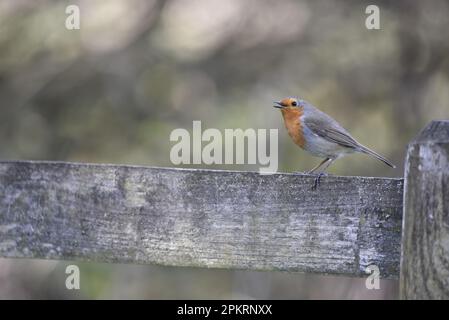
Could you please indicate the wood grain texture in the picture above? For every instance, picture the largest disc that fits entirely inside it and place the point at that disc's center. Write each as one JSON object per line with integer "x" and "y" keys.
{"x": 425, "y": 248}
{"x": 200, "y": 218}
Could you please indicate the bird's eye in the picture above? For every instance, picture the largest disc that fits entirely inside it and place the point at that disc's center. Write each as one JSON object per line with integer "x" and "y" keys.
{"x": 294, "y": 103}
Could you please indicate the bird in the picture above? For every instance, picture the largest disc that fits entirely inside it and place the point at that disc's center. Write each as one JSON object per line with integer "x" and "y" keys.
{"x": 320, "y": 135}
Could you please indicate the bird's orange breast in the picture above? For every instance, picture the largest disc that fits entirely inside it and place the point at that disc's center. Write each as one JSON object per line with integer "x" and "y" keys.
{"x": 293, "y": 124}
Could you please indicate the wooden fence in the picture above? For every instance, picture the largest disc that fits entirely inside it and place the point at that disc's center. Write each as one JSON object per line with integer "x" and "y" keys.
{"x": 238, "y": 220}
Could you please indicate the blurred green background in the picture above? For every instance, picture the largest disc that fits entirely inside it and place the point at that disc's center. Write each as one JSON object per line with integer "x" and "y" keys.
{"x": 113, "y": 91}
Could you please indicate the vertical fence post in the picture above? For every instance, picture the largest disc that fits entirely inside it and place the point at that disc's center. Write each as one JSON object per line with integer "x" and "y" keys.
{"x": 425, "y": 232}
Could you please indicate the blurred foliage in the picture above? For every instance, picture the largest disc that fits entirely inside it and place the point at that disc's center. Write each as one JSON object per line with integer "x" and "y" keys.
{"x": 113, "y": 90}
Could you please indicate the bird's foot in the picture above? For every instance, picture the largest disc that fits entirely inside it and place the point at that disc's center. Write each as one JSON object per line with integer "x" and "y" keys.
{"x": 317, "y": 180}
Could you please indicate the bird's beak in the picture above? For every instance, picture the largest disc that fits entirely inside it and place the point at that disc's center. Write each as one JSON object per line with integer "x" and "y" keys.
{"x": 278, "y": 105}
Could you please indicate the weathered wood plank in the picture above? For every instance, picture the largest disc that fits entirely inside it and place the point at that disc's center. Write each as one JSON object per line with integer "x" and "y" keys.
{"x": 425, "y": 247}
{"x": 201, "y": 218}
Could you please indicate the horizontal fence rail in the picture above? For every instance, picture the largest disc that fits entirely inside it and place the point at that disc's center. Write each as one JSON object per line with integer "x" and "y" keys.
{"x": 200, "y": 218}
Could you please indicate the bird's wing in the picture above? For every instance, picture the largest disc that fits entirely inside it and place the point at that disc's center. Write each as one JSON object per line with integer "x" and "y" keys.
{"x": 330, "y": 130}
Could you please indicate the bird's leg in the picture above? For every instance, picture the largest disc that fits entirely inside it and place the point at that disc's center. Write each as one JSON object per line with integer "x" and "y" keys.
{"x": 317, "y": 181}
{"x": 311, "y": 171}
{"x": 319, "y": 165}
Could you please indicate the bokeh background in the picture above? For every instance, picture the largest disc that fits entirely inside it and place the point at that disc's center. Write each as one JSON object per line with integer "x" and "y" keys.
{"x": 113, "y": 91}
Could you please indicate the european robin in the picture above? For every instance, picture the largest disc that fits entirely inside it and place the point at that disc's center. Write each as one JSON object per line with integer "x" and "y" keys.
{"x": 319, "y": 134}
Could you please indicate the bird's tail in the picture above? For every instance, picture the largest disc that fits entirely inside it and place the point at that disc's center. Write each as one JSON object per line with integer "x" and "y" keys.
{"x": 376, "y": 155}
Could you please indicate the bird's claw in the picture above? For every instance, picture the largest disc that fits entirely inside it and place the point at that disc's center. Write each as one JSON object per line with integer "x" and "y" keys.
{"x": 317, "y": 180}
